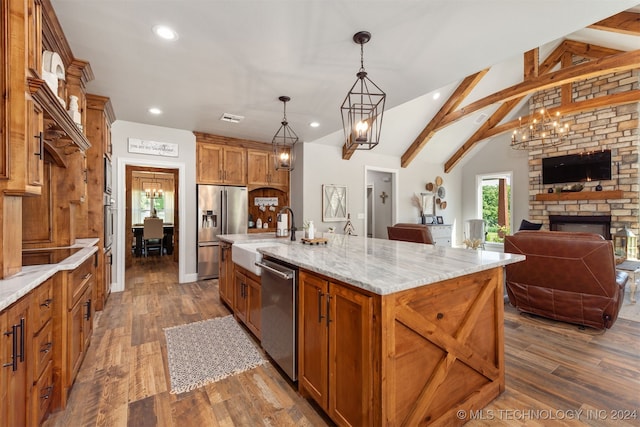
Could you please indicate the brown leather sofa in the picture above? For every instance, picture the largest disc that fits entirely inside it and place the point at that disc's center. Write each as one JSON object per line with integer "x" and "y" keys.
{"x": 405, "y": 232}
{"x": 567, "y": 276}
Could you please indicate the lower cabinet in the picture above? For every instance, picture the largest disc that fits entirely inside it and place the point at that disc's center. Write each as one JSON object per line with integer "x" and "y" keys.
{"x": 247, "y": 299}
{"x": 335, "y": 349}
{"x": 14, "y": 360}
{"x": 225, "y": 274}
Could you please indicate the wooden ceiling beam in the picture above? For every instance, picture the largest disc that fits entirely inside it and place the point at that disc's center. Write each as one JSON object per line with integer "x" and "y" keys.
{"x": 461, "y": 92}
{"x": 622, "y": 23}
{"x": 610, "y": 64}
{"x": 574, "y": 108}
{"x": 587, "y": 50}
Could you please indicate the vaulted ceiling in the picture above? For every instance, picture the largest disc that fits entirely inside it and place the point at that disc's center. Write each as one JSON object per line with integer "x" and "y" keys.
{"x": 239, "y": 56}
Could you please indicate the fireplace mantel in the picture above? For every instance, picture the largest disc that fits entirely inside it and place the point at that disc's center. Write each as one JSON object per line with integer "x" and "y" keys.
{"x": 581, "y": 195}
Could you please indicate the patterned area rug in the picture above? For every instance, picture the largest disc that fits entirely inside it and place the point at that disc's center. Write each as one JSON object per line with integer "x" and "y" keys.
{"x": 208, "y": 351}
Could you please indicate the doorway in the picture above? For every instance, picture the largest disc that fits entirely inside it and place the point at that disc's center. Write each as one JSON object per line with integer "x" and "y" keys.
{"x": 151, "y": 192}
{"x": 380, "y": 200}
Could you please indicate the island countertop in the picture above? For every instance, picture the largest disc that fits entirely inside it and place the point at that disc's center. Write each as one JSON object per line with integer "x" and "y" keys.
{"x": 378, "y": 265}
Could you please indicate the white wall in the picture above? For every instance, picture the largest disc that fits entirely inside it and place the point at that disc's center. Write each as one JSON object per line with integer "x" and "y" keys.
{"x": 186, "y": 165}
{"x": 323, "y": 164}
{"x": 496, "y": 155}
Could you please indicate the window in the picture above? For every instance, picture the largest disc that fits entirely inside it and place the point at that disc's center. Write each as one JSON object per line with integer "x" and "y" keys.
{"x": 494, "y": 203}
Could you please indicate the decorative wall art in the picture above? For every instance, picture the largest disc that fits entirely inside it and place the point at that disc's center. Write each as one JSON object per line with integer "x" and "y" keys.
{"x": 334, "y": 202}
{"x": 153, "y": 148}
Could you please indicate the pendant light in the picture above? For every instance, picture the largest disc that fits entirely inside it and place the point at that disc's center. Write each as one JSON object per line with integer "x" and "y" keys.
{"x": 363, "y": 106}
{"x": 284, "y": 141}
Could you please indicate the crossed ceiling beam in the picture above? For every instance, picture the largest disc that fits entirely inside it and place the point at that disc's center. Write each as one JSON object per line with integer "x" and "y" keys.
{"x": 537, "y": 77}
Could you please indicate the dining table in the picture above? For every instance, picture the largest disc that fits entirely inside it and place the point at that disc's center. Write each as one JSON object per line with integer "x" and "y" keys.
{"x": 167, "y": 240}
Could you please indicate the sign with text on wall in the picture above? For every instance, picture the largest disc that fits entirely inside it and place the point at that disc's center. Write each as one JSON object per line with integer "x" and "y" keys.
{"x": 154, "y": 148}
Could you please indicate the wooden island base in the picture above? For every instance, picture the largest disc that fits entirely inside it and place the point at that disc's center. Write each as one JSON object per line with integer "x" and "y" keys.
{"x": 426, "y": 356}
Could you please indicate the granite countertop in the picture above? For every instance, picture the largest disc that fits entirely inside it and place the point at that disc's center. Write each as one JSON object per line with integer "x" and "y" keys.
{"x": 379, "y": 265}
{"x": 20, "y": 284}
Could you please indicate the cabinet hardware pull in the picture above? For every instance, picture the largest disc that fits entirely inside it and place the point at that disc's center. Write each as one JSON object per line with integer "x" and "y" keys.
{"x": 87, "y": 315}
{"x": 328, "y": 309}
{"x": 47, "y": 392}
{"x": 14, "y": 345}
{"x": 46, "y": 348}
{"x": 21, "y": 326}
{"x": 110, "y": 259}
{"x": 46, "y": 303}
{"x": 40, "y": 152}
{"x": 320, "y": 316}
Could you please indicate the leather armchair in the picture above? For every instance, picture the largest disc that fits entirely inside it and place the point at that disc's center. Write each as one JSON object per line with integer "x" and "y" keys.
{"x": 405, "y": 232}
{"x": 567, "y": 276}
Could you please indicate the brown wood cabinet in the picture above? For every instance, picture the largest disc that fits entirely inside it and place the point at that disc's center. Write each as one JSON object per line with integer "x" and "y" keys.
{"x": 41, "y": 381}
{"x": 76, "y": 320}
{"x": 225, "y": 275}
{"x": 336, "y": 338}
{"x": 247, "y": 299}
{"x": 261, "y": 171}
{"x": 221, "y": 164}
{"x": 14, "y": 360}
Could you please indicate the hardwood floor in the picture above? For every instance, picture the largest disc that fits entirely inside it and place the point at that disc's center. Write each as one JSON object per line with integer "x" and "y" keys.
{"x": 556, "y": 374}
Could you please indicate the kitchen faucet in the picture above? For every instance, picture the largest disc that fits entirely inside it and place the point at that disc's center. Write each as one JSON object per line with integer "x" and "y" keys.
{"x": 293, "y": 223}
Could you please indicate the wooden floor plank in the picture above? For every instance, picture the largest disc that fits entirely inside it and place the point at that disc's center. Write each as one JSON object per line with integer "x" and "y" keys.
{"x": 551, "y": 368}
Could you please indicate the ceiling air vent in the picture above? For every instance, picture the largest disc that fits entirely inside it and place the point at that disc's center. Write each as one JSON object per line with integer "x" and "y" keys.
{"x": 481, "y": 118}
{"x": 232, "y": 118}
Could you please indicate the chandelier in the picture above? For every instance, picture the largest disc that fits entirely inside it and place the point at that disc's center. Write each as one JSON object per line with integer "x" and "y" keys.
{"x": 153, "y": 193}
{"x": 542, "y": 130}
{"x": 363, "y": 106}
{"x": 284, "y": 141}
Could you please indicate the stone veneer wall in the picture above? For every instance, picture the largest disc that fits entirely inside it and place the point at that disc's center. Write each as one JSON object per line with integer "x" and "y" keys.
{"x": 614, "y": 128}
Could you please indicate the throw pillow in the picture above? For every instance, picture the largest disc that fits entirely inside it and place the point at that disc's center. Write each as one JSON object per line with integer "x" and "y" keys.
{"x": 527, "y": 225}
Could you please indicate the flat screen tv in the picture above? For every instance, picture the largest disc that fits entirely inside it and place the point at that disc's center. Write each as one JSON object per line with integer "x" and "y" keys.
{"x": 587, "y": 166}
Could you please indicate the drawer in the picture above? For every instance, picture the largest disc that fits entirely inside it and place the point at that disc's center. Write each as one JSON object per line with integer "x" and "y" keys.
{"x": 78, "y": 279}
{"x": 41, "y": 305}
{"x": 42, "y": 394}
{"x": 42, "y": 349}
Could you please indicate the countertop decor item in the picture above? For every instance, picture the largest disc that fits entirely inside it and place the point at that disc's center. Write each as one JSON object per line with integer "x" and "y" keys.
{"x": 363, "y": 107}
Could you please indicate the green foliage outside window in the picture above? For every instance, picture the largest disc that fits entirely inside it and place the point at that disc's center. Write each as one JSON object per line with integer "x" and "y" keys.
{"x": 490, "y": 212}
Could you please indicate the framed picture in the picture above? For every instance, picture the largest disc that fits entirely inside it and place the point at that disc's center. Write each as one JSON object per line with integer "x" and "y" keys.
{"x": 334, "y": 202}
{"x": 439, "y": 220}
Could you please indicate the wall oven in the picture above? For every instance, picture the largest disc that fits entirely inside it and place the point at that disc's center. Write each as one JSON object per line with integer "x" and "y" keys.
{"x": 109, "y": 219}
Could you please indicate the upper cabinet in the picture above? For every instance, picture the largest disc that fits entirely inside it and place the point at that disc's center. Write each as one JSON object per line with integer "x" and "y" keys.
{"x": 262, "y": 171}
{"x": 221, "y": 164}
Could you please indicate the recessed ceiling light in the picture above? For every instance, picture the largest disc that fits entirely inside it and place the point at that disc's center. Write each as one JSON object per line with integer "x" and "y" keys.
{"x": 436, "y": 95}
{"x": 154, "y": 110}
{"x": 165, "y": 32}
{"x": 314, "y": 124}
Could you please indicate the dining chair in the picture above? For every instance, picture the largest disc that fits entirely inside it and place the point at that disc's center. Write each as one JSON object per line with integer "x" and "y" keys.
{"x": 153, "y": 235}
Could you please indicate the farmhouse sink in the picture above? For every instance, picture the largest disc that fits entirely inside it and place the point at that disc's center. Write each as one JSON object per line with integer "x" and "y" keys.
{"x": 246, "y": 254}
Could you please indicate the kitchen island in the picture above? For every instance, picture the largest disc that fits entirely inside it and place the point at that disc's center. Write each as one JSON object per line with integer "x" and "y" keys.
{"x": 397, "y": 333}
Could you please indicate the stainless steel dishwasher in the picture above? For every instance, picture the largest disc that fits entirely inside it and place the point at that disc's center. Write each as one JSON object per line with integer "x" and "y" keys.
{"x": 278, "y": 325}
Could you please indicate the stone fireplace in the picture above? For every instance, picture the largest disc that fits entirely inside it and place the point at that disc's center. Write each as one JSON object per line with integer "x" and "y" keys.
{"x": 599, "y": 224}
{"x": 615, "y": 128}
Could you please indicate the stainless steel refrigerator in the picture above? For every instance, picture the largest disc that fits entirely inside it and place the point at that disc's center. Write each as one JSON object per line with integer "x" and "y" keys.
{"x": 221, "y": 210}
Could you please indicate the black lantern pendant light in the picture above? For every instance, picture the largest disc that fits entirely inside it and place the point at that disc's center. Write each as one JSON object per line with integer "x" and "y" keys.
{"x": 363, "y": 106}
{"x": 283, "y": 142}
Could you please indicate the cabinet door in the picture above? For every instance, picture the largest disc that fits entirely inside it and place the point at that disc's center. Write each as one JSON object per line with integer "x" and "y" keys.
{"x": 278, "y": 178}
{"x": 254, "y": 305}
{"x": 209, "y": 163}
{"x": 14, "y": 364}
{"x": 225, "y": 275}
{"x": 350, "y": 356}
{"x": 75, "y": 340}
{"x": 235, "y": 166}
{"x": 313, "y": 338}
{"x": 35, "y": 146}
{"x": 240, "y": 296}
{"x": 258, "y": 167}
